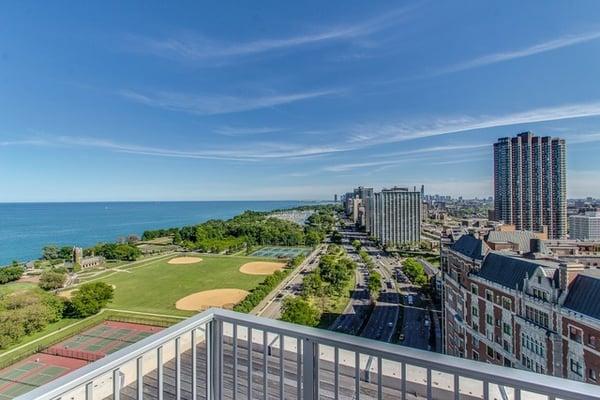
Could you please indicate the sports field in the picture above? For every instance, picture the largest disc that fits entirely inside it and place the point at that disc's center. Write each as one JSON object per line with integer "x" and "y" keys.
{"x": 281, "y": 252}
{"x": 155, "y": 287}
{"x": 69, "y": 355}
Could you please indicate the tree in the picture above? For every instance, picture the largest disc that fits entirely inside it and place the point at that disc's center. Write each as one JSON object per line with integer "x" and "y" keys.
{"x": 356, "y": 244}
{"x": 299, "y": 311}
{"x": 90, "y": 299}
{"x": 52, "y": 280}
{"x": 12, "y": 273}
{"x": 336, "y": 237}
{"x": 50, "y": 252}
{"x": 65, "y": 253}
{"x": 312, "y": 285}
{"x": 374, "y": 284}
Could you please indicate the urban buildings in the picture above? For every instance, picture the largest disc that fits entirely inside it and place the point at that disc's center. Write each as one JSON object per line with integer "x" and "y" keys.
{"x": 392, "y": 216}
{"x": 530, "y": 183}
{"x": 534, "y": 311}
{"x": 585, "y": 226}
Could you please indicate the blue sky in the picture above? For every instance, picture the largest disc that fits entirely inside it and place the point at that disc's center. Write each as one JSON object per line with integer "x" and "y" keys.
{"x": 288, "y": 100}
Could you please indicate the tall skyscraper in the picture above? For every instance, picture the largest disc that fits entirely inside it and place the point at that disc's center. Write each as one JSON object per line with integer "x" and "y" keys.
{"x": 400, "y": 216}
{"x": 530, "y": 183}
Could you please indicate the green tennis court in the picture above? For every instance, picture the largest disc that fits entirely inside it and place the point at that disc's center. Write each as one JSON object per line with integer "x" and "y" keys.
{"x": 281, "y": 252}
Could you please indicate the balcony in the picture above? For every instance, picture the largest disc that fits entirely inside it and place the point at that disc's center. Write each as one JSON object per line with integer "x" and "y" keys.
{"x": 213, "y": 354}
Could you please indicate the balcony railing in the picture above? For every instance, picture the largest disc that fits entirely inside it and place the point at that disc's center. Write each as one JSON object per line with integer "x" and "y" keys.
{"x": 226, "y": 355}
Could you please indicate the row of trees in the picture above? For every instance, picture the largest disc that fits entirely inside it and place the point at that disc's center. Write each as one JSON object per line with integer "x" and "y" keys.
{"x": 249, "y": 229}
{"x": 26, "y": 312}
{"x": 260, "y": 292}
{"x": 12, "y": 273}
{"x": 320, "y": 288}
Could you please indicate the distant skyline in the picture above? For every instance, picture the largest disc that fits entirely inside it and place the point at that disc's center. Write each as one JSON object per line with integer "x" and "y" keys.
{"x": 146, "y": 101}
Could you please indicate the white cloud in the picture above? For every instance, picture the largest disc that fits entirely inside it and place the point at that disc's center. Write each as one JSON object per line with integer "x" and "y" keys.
{"x": 218, "y": 104}
{"x": 390, "y": 133}
{"x": 198, "y": 48}
{"x": 554, "y": 44}
{"x": 245, "y": 131}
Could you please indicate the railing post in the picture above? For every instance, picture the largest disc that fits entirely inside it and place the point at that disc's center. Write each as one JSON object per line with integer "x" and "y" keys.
{"x": 310, "y": 370}
{"x": 215, "y": 343}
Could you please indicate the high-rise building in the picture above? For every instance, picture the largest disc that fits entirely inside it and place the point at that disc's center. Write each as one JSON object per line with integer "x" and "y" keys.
{"x": 585, "y": 227}
{"x": 530, "y": 183}
{"x": 335, "y": 198}
{"x": 399, "y": 213}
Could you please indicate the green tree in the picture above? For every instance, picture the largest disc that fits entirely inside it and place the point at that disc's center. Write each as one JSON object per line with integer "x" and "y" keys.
{"x": 90, "y": 299}
{"x": 312, "y": 285}
{"x": 336, "y": 237}
{"x": 52, "y": 280}
{"x": 356, "y": 244}
{"x": 12, "y": 273}
{"x": 374, "y": 284}
{"x": 65, "y": 253}
{"x": 50, "y": 252}
{"x": 300, "y": 311}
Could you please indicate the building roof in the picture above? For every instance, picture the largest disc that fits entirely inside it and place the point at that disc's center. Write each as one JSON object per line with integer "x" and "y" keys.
{"x": 521, "y": 238}
{"x": 471, "y": 247}
{"x": 583, "y": 295}
{"x": 510, "y": 271}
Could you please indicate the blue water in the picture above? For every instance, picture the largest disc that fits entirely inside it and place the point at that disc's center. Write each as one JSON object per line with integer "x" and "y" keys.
{"x": 27, "y": 227}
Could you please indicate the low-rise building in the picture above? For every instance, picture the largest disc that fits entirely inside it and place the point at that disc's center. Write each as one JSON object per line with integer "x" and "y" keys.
{"x": 585, "y": 226}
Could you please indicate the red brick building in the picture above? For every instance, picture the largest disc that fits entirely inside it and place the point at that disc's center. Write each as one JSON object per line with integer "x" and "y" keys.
{"x": 528, "y": 311}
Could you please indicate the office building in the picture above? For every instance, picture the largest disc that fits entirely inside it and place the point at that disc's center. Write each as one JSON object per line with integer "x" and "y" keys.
{"x": 530, "y": 183}
{"x": 585, "y": 226}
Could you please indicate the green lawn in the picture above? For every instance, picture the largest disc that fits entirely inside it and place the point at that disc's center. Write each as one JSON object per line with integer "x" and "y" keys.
{"x": 16, "y": 286}
{"x": 156, "y": 287}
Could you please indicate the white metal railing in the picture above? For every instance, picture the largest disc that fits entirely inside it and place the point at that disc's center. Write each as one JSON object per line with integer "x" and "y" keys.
{"x": 222, "y": 354}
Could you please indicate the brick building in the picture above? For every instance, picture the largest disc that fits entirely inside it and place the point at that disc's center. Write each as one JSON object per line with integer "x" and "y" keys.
{"x": 531, "y": 311}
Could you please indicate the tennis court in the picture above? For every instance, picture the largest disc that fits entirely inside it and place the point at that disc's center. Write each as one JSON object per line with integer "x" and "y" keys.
{"x": 34, "y": 371}
{"x": 71, "y": 354}
{"x": 281, "y": 252}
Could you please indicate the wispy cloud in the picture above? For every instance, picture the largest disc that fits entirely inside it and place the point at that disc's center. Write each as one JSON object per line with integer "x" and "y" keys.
{"x": 196, "y": 47}
{"x": 218, "y": 104}
{"x": 554, "y": 44}
{"x": 390, "y": 133}
{"x": 245, "y": 131}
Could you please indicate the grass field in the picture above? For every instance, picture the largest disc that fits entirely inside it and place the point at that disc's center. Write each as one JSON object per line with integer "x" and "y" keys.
{"x": 156, "y": 286}
{"x": 16, "y": 286}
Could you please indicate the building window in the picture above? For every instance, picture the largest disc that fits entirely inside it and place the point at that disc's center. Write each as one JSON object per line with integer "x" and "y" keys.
{"x": 575, "y": 334}
{"x": 489, "y": 319}
{"x": 593, "y": 375}
{"x": 474, "y": 289}
{"x": 539, "y": 280}
{"x": 490, "y": 352}
{"x": 592, "y": 341}
{"x": 506, "y": 303}
{"x": 475, "y": 311}
{"x": 507, "y": 329}
{"x": 575, "y": 367}
{"x": 489, "y": 296}
{"x": 475, "y": 355}
{"x": 536, "y": 316}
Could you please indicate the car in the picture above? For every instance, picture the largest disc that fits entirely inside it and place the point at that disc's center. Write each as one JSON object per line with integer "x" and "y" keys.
{"x": 390, "y": 324}
{"x": 401, "y": 337}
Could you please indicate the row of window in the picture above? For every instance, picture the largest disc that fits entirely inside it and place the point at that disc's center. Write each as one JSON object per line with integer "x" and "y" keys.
{"x": 533, "y": 345}
{"x": 532, "y": 365}
{"x": 537, "y": 316}
{"x": 576, "y": 368}
{"x": 489, "y": 296}
{"x": 576, "y": 334}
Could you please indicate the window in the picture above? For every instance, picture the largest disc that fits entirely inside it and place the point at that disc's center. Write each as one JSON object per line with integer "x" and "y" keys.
{"x": 539, "y": 280}
{"x": 506, "y": 303}
{"x": 475, "y": 355}
{"x": 474, "y": 289}
{"x": 575, "y": 334}
{"x": 593, "y": 375}
{"x": 533, "y": 345}
{"x": 575, "y": 367}
{"x": 490, "y": 352}
{"x": 489, "y": 296}
{"x": 540, "y": 294}
{"x": 489, "y": 319}
{"x": 498, "y": 323}
{"x": 536, "y": 316}
{"x": 507, "y": 329}
{"x": 476, "y": 326}
{"x": 475, "y": 311}
{"x": 592, "y": 341}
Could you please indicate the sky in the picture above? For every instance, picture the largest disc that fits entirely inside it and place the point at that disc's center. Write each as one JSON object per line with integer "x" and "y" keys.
{"x": 288, "y": 100}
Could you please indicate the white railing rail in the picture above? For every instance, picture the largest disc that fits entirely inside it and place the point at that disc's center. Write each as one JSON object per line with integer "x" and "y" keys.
{"x": 291, "y": 361}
